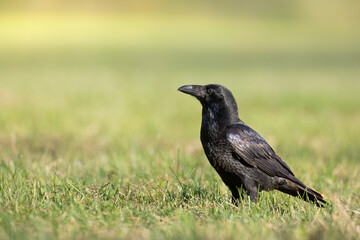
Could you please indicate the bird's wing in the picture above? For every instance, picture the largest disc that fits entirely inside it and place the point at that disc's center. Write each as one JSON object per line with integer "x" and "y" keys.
{"x": 251, "y": 149}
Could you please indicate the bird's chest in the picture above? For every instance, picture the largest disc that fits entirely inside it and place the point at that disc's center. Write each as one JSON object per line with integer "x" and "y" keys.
{"x": 216, "y": 148}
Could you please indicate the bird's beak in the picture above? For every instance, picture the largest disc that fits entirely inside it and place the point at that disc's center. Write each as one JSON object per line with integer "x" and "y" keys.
{"x": 197, "y": 91}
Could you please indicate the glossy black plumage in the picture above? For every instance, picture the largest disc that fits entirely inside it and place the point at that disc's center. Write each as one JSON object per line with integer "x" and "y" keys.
{"x": 242, "y": 158}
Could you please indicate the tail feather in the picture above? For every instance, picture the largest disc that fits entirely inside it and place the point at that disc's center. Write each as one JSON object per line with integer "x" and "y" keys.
{"x": 300, "y": 190}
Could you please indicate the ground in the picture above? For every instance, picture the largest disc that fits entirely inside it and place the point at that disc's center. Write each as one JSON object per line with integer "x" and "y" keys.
{"x": 96, "y": 142}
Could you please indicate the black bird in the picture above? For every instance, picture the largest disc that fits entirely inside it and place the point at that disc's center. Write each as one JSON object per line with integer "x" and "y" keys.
{"x": 241, "y": 157}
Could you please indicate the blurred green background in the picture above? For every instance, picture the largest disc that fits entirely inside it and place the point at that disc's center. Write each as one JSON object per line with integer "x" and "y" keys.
{"x": 88, "y": 91}
{"x": 120, "y": 63}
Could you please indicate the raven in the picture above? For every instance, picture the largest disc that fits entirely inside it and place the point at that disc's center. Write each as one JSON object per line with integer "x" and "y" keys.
{"x": 241, "y": 157}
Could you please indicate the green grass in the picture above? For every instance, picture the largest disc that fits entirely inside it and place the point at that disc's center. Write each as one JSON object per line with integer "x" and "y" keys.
{"x": 95, "y": 141}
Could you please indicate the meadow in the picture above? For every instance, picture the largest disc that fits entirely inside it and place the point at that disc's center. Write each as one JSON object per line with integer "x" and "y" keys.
{"x": 96, "y": 142}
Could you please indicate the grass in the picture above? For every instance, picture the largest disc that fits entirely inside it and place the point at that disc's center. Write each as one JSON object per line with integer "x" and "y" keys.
{"x": 95, "y": 141}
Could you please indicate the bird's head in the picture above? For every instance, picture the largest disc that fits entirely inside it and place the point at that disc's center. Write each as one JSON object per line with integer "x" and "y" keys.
{"x": 215, "y": 98}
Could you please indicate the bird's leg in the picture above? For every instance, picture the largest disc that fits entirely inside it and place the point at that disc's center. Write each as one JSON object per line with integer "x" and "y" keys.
{"x": 253, "y": 194}
{"x": 235, "y": 195}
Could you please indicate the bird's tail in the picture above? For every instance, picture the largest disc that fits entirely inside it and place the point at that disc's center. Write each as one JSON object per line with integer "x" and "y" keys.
{"x": 298, "y": 189}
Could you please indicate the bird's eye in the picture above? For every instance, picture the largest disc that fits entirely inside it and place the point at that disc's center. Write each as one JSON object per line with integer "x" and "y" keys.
{"x": 210, "y": 91}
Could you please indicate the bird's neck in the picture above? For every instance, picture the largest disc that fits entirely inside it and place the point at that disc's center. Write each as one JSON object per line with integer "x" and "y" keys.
{"x": 215, "y": 119}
